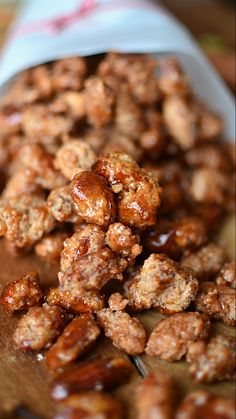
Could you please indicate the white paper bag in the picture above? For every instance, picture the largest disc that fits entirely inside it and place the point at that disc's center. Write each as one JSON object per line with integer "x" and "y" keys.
{"x": 46, "y": 30}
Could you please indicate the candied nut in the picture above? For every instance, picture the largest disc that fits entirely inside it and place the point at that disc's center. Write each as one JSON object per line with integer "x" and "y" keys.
{"x": 19, "y": 96}
{"x": 227, "y": 275}
{"x": 210, "y": 156}
{"x": 190, "y": 233}
{"x": 93, "y": 270}
{"x": 210, "y": 124}
{"x": 153, "y": 142}
{"x": 209, "y": 186}
{"x": 90, "y": 404}
{"x": 26, "y": 219}
{"x": 34, "y": 157}
{"x": 118, "y": 142}
{"x": 163, "y": 284}
{"x": 128, "y": 117}
{"x": 172, "y": 198}
{"x": 155, "y": 397}
{"x": 172, "y": 80}
{"x": 126, "y": 333}
{"x": 73, "y": 157}
{"x": 76, "y": 300}
{"x": 41, "y": 125}
{"x": 136, "y": 71}
{"x": 211, "y": 215}
{"x": 174, "y": 238}
{"x": 71, "y": 102}
{"x": 206, "y": 262}
{"x": 23, "y": 182}
{"x": 138, "y": 191}
{"x": 38, "y": 328}
{"x": 61, "y": 205}
{"x": 98, "y": 101}
{"x": 76, "y": 339}
{"x": 22, "y": 293}
{"x": 168, "y": 172}
{"x": 212, "y": 361}
{"x": 10, "y": 123}
{"x": 181, "y": 121}
{"x": 41, "y": 77}
{"x": 170, "y": 338}
{"x": 68, "y": 73}
{"x": 117, "y": 302}
{"x": 96, "y": 138}
{"x": 51, "y": 246}
{"x": 201, "y": 404}
{"x": 93, "y": 200}
{"x": 95, "y": 374}
{"x": 217, "y": 301}
{"x": 86, "y": 239}
{"x": 121, "y": 241}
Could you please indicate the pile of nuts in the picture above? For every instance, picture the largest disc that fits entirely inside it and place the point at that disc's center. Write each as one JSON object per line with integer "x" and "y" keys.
{"x": 114, "y": 169}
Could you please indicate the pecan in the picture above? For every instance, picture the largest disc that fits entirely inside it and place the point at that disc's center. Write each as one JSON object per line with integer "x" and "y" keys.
{"x": 93, "y": 200}
{"x": 73, "y": 157}
{"x": 61, "y": 205}
{"x": 94, "y": 374}
{"x": 171, "y": 337}
{"x": 68, "y": 73}
{"x": 212, "y": 361}
{"x": 201, "y": 404}
{"x": 137, "y": 190}
{"x": 206, "y": 261}
{"x": 155, "y": 397}
{"x": 76, "y": 300}
{"x": 217, "y": 301}
{"x": 98, "y": 100}
{"x": 38, "y": 328}
{"x": 227, "y": 275}
{"x": 90, "y": 404}
{"x": 161, "y": 283}
{"x": 22, "y": 293}
{"x": 51, "y": 246}
{"x": 126, "y": 333}
{"x": 76, "y": 339}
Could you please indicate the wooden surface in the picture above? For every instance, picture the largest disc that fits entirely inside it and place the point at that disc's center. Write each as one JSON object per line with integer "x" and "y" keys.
{"x": 23, "y": 379}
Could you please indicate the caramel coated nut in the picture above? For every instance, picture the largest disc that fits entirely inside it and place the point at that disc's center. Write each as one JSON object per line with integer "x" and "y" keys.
{"x": 90, "y": 404}
{"x": 61, "y": 205}
{"x": 94, "y": 374}
{"x": 73, "y": 157}
{"x": 217, "y": 301}
{"x": 138, "y": 191}
{"x": 213, "y": 361}
{"x": 76, "y": 339}
{"x": 93, "y": 200}
{"x": 170, "y": 338}
{"x": 201, "y": 404}
{"x": 163, "y": 284}
{"x": 155, "y": 397}
{"x": 126, "y": 333}
{"x": 38, "y": 328}
{"x": 22, "y": 293}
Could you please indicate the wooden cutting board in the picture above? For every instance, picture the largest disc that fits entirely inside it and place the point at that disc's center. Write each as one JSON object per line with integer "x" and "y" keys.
{"x": 24, "y": 379}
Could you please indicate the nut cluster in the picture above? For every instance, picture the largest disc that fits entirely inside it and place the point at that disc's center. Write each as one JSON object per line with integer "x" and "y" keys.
{"x": 120, "y": 175}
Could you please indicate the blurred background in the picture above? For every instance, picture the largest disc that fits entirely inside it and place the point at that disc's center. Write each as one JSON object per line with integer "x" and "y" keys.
{"x": 212, "y": 22}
